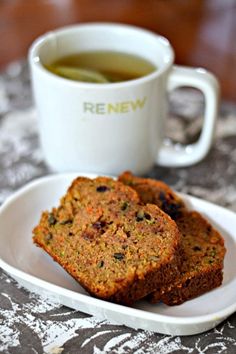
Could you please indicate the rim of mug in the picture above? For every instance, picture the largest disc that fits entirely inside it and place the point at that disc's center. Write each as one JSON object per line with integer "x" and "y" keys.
{"x": 35, "y": 46}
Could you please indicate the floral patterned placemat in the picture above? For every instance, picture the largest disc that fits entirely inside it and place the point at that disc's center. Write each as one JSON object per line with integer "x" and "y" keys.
{"x": 32, "y": 324}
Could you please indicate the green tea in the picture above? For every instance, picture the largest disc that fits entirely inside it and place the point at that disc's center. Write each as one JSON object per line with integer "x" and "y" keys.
{"x": 101, "y": 67}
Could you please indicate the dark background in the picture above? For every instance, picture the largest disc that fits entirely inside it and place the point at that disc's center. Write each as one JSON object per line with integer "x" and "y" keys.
{"x": 203, "y": 33}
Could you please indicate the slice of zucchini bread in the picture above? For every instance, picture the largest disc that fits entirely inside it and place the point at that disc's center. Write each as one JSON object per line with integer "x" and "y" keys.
{"x": 155, "y": 192}
{"x": 202, "y": 261}
{"x": 202, "y": 246}
{"x": 115, "y": 247}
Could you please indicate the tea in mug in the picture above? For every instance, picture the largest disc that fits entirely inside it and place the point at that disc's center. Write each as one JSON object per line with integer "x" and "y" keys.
{"x": 101, "y": 67}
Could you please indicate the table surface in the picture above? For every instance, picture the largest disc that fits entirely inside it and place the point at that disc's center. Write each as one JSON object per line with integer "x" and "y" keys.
{"x": 32, "y": 324}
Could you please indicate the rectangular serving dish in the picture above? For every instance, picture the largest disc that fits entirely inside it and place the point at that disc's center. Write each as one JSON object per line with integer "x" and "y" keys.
{"x": 37, "y": 272}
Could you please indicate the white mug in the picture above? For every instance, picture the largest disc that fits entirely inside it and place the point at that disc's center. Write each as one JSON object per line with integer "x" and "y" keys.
{"x": 109, "y": 128}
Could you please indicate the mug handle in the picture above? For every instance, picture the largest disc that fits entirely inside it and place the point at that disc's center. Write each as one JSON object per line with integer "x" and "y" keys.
{"x": 177, "y": 155}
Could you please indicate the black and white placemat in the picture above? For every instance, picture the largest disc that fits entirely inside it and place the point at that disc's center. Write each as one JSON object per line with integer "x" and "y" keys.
{"x": 33, "y": 324}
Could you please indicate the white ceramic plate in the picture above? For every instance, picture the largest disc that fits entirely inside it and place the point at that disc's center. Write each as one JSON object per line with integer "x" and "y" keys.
{"x": 36, "y": 271}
